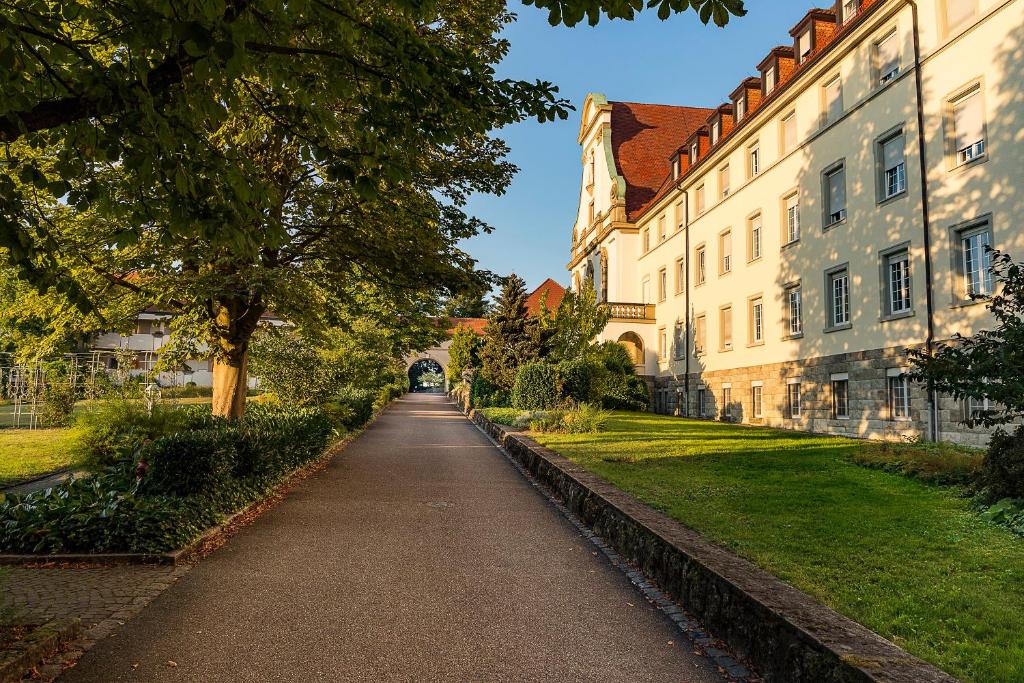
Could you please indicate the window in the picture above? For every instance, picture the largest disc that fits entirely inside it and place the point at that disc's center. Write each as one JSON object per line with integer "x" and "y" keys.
{"x": 899, "y": 394}
{"x": 753, "y": 160}
{"x": 840, "y": 396}
{"x": 591, "y": 175}
{"x": 975, "y": 408}
{"x": 680, "y": 275}
{"x": 662, "y": 285}
{"x": 590, "y": 214}
{"x": 662, "y": 343}
{"x": 716, "y": 130}
{"x": 703, "y": 408}
{"x": 675, "y": 168}
{"x": 723, "y": 180}
{"x": 835, "y": 195}
{"x": 803, "y": 46}
{"x": 680, "y": 216}
{"x": 757, "y": 399}
{"x": 661, "y": 229}
{"x": 700, "y": 333}
{"x": 897, "y": 282}
{"x": 838, "y": 297}
{"x": 645, "y": 240}
{"x": 976, "y": 261}
{"x": 757, "y": 321}
{"x": 725, "y": 328}
{"x": 887, "y": 58}
{"x": 794, "y": 310}
{"x": 793, "y": 397}
{"x": 959, "y": 12}
{"x": 850, "y": 9}
{"x": 700, "y": 200}
{"x": 789, "y": 133}
{"x": 679, "y": 340}
{"x": 725, "y": 250}
{"x": 832, "y": 97}
{"x": 792, "y": 204}
{"x": 769, "y": 80}
{"x": 754, "y": 238}
{"x": 645, "y": 290}
{"x": 694, "y": 152}
{"x": 702, "y": 265}
{"x": 727, "y": 407}
{"x": 893, "y": 166}
{"x": 968, "y": 127}
{"x": 741, "y": 107}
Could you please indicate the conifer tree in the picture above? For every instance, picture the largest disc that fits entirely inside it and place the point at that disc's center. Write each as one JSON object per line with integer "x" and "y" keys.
{"x": 511, "y": 338}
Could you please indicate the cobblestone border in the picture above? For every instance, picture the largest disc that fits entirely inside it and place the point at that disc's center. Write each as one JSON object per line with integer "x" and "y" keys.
{"x": 42, "y": 642}
{"x": 784, "y": 633}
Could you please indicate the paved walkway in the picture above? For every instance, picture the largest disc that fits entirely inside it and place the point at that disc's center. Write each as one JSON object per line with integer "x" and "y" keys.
{"x": 419, "y": 554}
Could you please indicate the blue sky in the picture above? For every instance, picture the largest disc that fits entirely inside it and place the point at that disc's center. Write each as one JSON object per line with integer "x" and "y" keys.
{"x": 678, "y": 61}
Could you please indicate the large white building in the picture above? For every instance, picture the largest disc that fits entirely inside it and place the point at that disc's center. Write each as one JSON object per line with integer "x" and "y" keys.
{"x": 772, "y": 260}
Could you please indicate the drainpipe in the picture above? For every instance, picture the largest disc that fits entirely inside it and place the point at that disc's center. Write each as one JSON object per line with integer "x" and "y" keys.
{"x": 686, "y": 303}
{"x": 933, "y": 403}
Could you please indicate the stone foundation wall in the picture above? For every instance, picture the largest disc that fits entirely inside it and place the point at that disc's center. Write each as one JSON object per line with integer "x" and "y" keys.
{"x": 868, "y": 392}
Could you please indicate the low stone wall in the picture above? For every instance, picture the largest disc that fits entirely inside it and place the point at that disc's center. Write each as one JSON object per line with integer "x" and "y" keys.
{"x": 784, "y": 633}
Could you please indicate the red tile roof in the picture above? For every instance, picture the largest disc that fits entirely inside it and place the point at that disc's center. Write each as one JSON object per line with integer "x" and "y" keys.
{"x": 644, "y": 138}
{"x": 474, "y": 325}
{"x": 554, "y": 291}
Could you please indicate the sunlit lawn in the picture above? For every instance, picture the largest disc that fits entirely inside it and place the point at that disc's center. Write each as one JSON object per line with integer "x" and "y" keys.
{"x": 911, "y": 561}
{"x": 28, "y": 453}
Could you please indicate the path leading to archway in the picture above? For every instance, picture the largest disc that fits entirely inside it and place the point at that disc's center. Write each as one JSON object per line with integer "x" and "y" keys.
{"x": 420, "y": 554}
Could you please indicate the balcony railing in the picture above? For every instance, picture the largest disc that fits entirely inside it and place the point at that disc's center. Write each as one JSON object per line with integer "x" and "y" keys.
{"x": 631, "y": 312}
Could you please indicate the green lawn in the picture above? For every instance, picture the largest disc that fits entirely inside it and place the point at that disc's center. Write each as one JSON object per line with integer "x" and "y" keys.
{"x": 908, "y": 560}
{"x": 26, "y": 453}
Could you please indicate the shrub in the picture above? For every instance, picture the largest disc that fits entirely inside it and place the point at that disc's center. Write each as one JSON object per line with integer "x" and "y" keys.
{"x": 624, "y": 392}
{"x": 190, "y": 462}
{"x": 1002, "y": 474}
{"x": 579, "y": 379}
{"x": 58, "y": 403}
{"x": 354, "y": 407}
{"x": 942, "y": 464}
{"x": 536, "y": 387}
{"x": 582, "y": 419}
{"x": 113, "y": 430}
{"x": 484, "y": 394}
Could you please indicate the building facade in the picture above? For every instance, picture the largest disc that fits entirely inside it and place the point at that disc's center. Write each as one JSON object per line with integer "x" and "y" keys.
{"x": 773, "y": 259}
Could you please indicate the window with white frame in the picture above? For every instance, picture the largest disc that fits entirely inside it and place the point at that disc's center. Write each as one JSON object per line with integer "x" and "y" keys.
{"x": 887, "y": 57}
{"x": 832, "y": 97}
{"x": 680, "y": 216}
{"x": 645, "y": 240}
{"x": 793, "y": 397}
{"x": 694, "y": 152}
{"x": 700, "y": 333}
{"x": 716, "y": 131}
{"x": 703, "y": 405}
{"x": 897, "y": 283}
{"x": 754, "y": 238}
{"x": 968, "y": 126}
{"x": 727, "y": 406}
{"x": 850, "y": 9}
{"x": 792, "y": 205}
{"x": 591, "y": 174}
{"x": 675, "y": 168}
{"x": 976, "y": 261}
{"x": 959, "y": 12}
{"x": 757, "y": 320}
{"x": 699, "y": 201}
{"x": 725, "y": 252}
{"x": 838, "y": 297}
{"x": 679, "y": 340}
{"x": 680, "y": 270}
{"x": 662, "y": 344}
{"x": 662, "y": 285}
{"x": 725, "y": 328}
{"x": 788, "y": 137}
{"x": 899, "y": 394}
{"x": 769, "y": 80}
{"x": 741, "y": 107}
{"x": 700, "y": 256}
{"x": 893, "y": 165}
{"x": 794, "y": 310}
{"x": 840, "y": 396}
{"x": 835, "y": 195}
{"x": 661, "y": 229}
{"x": 723, "y": 180}
{"x": 757, "y": 399}
{"x": 645, "y": 290}
{"x": 976, "y": 408}
{"x": 753, "y": 160}
{"x": 803, "y": 45}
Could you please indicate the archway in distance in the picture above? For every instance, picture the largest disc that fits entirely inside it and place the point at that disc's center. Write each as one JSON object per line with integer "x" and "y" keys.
{"x": 426, "y": 374}
{"x": 635, "y": 345}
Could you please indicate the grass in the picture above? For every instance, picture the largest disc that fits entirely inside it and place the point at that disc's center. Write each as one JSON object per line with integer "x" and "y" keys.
{"x": 909, "y": 560}
{"x": 28, "y": 453}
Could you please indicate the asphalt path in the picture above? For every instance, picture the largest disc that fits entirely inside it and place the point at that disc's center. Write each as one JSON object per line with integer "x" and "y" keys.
{"x": 419, "y": 554}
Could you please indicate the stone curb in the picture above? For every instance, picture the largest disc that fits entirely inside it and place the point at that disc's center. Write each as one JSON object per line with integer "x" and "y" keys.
{"x": 183, "y": 555}
{"x": 40, "y": 644}
{"x": 784, "y": 633}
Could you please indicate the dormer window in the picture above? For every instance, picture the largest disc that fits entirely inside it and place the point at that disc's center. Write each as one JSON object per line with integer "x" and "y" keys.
{"x": 693, "y": 153}
{"x": 675, "y": 167}
{"x": 716, "y": 131}
{"x": 769, "y": 80}
{"x": 804, "y": 46}
{"x": 850, "y": 9}
{"x": 741, "y": 107}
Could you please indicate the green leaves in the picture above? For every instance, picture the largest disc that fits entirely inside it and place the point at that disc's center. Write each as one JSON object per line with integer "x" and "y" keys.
{"x": 571, "y": 12}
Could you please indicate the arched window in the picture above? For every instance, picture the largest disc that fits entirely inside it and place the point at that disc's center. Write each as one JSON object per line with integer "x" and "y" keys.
{"x": 604, "y": 276}
{"x": 635, "y": 345}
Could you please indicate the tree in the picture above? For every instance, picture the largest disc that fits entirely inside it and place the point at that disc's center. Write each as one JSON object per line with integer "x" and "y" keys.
{"x": 141, "y": 83}
{"x": 578, "y": 321}
{"x": 512, "y": 337}
{"x": 988, "y": 366}
{"x": 471, "y": 304}
{"x": 463, "y": 354}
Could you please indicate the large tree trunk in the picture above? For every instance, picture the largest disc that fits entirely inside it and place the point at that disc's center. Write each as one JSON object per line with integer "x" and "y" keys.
{"x": 235, "y": 321}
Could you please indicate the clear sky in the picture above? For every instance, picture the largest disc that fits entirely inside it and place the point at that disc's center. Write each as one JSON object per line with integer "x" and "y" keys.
{"x": 678, "y": 61}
